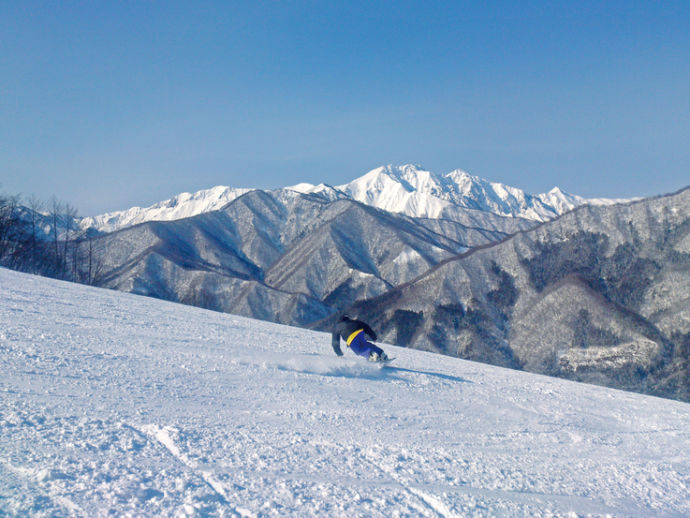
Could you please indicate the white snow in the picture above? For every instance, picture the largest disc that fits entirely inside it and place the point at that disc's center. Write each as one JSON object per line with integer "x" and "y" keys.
{"x": 114, "y": 404}
{"x": 408, "y": 189}
{"x": 414, "y": 191}
{"x": 183, "y": 205}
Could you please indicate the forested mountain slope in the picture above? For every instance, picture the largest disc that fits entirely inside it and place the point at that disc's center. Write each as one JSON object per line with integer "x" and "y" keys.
{"x": 601, "y": 294}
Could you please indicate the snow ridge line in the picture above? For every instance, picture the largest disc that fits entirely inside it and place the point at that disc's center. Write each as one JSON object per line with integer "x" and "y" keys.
{"x": 531, "y": 498}
{"x": 431, "y": 501}
{"x": 434, "y": 502}
{"x": 161, "y": 435}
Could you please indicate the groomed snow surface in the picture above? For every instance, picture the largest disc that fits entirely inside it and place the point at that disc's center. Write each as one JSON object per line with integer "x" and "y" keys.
{"x": 120, "y": 405}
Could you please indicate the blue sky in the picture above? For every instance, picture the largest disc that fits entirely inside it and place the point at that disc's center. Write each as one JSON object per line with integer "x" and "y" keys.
{"x": 113, "y": 104}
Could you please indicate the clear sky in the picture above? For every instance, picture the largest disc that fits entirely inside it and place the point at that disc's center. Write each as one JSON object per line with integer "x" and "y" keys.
{"x": 113, "y": 104}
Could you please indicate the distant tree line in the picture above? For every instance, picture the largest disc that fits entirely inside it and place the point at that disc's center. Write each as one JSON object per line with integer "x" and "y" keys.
{"x": 44, "y": 239}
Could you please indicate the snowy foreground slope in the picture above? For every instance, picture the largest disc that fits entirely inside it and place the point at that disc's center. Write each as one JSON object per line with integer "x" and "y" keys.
{"x": 113, "y": 404}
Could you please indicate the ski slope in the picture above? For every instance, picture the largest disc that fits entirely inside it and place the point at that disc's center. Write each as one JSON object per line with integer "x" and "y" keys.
{"x": 114, "y": 404}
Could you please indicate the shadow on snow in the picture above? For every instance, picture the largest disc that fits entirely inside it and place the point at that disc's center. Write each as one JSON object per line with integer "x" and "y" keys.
{"x": 358, "y": 369}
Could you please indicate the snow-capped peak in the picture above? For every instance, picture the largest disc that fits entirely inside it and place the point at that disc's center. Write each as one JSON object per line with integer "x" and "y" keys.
{"x": 183, "y": 205}
{"x": 460, "y": 176}
{"x": 306, "y": 188}
{"x": 415, "y": 191}
{"x": 410, "y": 189}
{"x": 406, "y": 189}
{"x": 324, "y": 190}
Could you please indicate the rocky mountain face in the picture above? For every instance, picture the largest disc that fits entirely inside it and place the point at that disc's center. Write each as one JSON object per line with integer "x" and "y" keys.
{"x": 600, "y": 295}
{"x": 284, "y": 256}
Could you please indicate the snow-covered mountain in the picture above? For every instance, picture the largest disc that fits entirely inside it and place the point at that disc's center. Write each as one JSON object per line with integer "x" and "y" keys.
{"x": 407, "y": 189}
{"x": 183, "y": 205}
{"x": 285, "y": 256}
{"x": 118, "y": 405}
{"x": 600, "y": 294}
{"x": 414, "y": 191}
{"x": 411, "y": 189}
{"x": 297, "y": 259}
{"x": 464, "y": 276}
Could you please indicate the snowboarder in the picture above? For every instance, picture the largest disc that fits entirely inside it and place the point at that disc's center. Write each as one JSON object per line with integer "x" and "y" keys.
{"x": 353, "y": 332}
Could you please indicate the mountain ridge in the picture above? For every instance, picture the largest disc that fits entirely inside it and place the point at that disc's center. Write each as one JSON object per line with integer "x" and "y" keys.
{"x": 489, "y": 303}
{"x": 411, "y": 190}
{"x": 593, "y": 294}
{"x": 278, "y": 239}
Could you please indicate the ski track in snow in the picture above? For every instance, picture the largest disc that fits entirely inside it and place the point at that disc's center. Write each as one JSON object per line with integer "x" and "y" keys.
{"x": 162, "y": 435}
{"x": 114, "y": 404}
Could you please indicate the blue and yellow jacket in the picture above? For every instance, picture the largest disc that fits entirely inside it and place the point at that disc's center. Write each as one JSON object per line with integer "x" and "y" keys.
{"x": 348, "y": 329}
